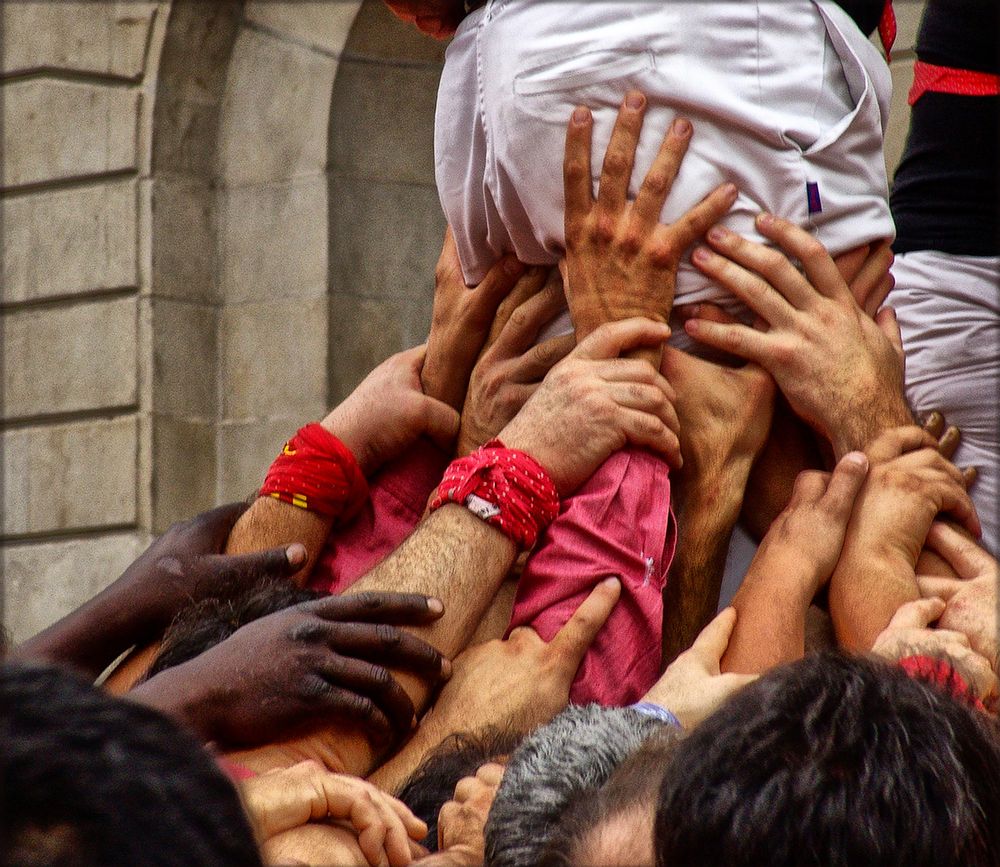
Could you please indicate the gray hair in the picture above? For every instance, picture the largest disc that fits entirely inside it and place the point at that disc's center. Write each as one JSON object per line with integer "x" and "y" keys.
{"x": 578, "y": 750}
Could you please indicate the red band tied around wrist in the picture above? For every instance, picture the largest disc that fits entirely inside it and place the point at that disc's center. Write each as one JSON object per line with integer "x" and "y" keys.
{"x": 506, "y": 488}
{"x": 941, "y": 673}
{"x": 316, "y": 471}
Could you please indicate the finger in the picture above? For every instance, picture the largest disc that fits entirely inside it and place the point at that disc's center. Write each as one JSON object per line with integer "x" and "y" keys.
{"x": 367, "y": 821}
{"x": 613, "y": 338}
{"x": 963, "y": 555}
{"x": 495, "y": 286}
{"x": 411, "y": 609}
{"x": 242, "y": 570}
{"x": 711, "y": 644}
{"x": 980, "y": 675}
{"x": 899, "y": 441}
{"x": 813, "y": 256}
{"x": 942, "y": 588}
{"x": 491, "y": 773}
{"x": 886, "y": 320}
{"x": 956, "y": 502}
{"x": 949, "y": 442}
{"x": 952, "y": 636}
{"x": 384, "y": 644}
{"x": 645, "y": 398}
{"x": 873, "y": 281}
{"x": 579, "y": 632}
{"x": 845, "y": 483}
{"x": 661, "y": 175}
{"x": 649, "y": 431}
{"x": 849, "y": 263}
{"x": 467, "y": 788}
{"x": 934, "y": 424}
{"x": 217, "y": 523}
{"x": 529, "y": 319}
{"x": 619, "y": 158}
{"x": 707, "y": 311}
{"x": 440, "y": 421}
{"x": 541, "y": 358}
{"x": 328, "y": 701}
{"x": 739, "y": 340}
{"x": 534, "y": 280}
{"x": 969, "y": 475}
{"x": 577, "y": 181}
{"x": 693, "y": 224}
{"x": 375, "y": 683}
{"x": 396, "y": 842}
{"x": 918, "y": 614}
{"x": 758, "y": 294}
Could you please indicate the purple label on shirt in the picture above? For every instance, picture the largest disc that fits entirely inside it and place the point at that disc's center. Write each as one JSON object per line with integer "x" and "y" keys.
{"x": 812, "y": 197}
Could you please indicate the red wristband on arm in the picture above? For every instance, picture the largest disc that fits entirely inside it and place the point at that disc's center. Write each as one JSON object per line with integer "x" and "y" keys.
{"x": 942, "y": 674}
{"x": 506, "y": 488}
{"x": 317, "y": 472}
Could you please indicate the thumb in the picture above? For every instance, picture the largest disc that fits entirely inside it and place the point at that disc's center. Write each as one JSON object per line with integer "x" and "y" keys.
{"x": 244, "y": 569}
{"x": 845, "y": 482}
{"x": 885, "y": 319}
{"x": 613, "y": 338}
{"x": 918, "y": 614}
{"x": 711, "y": 643}
{"x": 574, "y": 639}
{"x": 441, "y": 421}
{"x": 932, "y": 586}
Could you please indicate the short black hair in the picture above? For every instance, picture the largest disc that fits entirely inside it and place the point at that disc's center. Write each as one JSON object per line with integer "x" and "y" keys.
{"x": 88, "y": 779}
{"x": 204, "y": 624}
{"x": 836, "y": 761}
{"x": 459, "y": 755}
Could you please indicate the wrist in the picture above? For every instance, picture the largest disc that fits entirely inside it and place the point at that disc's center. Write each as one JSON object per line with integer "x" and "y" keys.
{"x": 175, "y": 693}
{"x": 859, "y": 430}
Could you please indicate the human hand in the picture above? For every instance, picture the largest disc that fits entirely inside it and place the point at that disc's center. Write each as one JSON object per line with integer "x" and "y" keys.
{"x": 462, "y": 819}
{"x": 724, "y": 414}
{"x": 620, "y": 260}
{"x": 841, "y": 371}
{"x": 284, "y": 799}
{"x": 866, "y": 269}
{"x": 693, "y": 686}
{"x": 437, "y": 18}
{"x": 461, "y": 320}
{"x": 303, "y": 666}
{"x": 971, "y": 604}
{"x": 909, "y": 634}
{"x": 592, "y": 403}
{"x": 512, "y": 365}
{"x": 186, "y": 565}
{"x": 521, "y": 680}
{"x": 389, "y": 411}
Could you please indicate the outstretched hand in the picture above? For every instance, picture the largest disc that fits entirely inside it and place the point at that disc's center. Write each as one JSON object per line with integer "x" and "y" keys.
{"x": 620, "y": 260}
{"x": 841, "y": 371}
{"x": 303, "y": 667}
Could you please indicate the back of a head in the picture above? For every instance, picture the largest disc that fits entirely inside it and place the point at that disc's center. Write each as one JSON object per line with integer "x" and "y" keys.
{"x": 835, "y": 761}
{"x": 88, "y": 779}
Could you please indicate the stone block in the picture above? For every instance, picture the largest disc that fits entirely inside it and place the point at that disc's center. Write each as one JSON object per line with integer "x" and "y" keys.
{"x": 899, "y": 114}
{"x": 184, "y": 359}
{"x": 273, "y": 359}
{"x": 273, "y": 240}
{"x": 379, "y": 35}
{"x": 96, "y": 38}
{"x": 366, "y": 331}
{"x": 45, "y": 581}
{"x": 69, "y": 242}
{"x": 324, "y": 26}
{"x": 184, "y": 477}
{"x": 66, "y": 359}
{"x": 246, "y": 450}
{"x": 385, "y": 239}
{"x": 54, "y": 130}
{"x": 69, "y": 476}
{"x": 183, "y": 238}
{"x": 389, "y": 134}
{"x": 275, "y": 110}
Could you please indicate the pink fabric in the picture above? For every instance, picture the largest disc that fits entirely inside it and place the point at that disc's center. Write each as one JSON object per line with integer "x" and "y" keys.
{"x": 618, "y": 524}
{"x": 399, "y": 494}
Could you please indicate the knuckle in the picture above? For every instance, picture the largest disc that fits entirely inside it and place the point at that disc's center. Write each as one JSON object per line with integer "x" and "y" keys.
{"x": 603, "y": 229}
{"x": 616, "y": 163}
{"x": 657, "y": 182}
{"x": 631, "y": 240}
{"x": 388, "y": 636}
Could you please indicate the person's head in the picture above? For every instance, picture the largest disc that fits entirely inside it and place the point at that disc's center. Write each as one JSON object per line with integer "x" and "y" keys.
{"x": 211, "y": 621}
{"x": 89, "y": 779}
{"x": 835, "y": 761}
{"x": 575, "y": 753}
{"x": 433, "y": 782}
{"x": 612, "y": 824}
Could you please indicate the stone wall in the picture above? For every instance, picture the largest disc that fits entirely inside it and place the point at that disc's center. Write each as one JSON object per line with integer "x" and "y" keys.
{"x": 216, "y": 217}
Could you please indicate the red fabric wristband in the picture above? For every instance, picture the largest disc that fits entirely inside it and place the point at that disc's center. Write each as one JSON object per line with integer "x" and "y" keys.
{"x": 506, "y": 488}
{"x": 945, "y": 79}
{"x": 941, "y": 673}
{"x": 316, "y": 471}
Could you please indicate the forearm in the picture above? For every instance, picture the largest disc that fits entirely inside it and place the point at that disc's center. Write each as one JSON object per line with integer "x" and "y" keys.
{"x": 866, "y": 590}
{"x": 869, "y": 416}
{"x": 269, "y": 523}
{"x": 691, "y": 595}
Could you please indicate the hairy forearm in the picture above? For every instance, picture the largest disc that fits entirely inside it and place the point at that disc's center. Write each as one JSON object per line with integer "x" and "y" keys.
{"x": 705, "y": 525}
{"x": 269, "y": 523}
{"x": 870, "y": 415}
{"x": 865, "y": 592}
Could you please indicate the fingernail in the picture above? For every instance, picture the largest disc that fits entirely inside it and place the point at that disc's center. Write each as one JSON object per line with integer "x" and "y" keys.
{"x": 611, "y": 582}
{"x": 296, "y": 554}
{"x": 446, "y": 667}
{"x": 414, "y": 722}
{"x": 581, "y": 114}
{"x": 682, "y": 127}
{"x": 765, "y": 221}
{"x": 701, "y": 255}
{"x": 934, "y": 418}
{"x": 435, "y": 605}
{"x": 718, "y": 234}
{"x": 634, "y": 99}
{"x": 859, "y": 459}
{"x": 731, "y": 191}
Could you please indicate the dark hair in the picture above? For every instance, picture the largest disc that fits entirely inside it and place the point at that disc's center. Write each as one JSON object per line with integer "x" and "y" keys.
{"x": 835, "y": 761}
{"x": 460, "y": 755}
{"x": 209, "y": 622}
{"x": 88, "y": 779}
{"x": 634, "y": 784}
